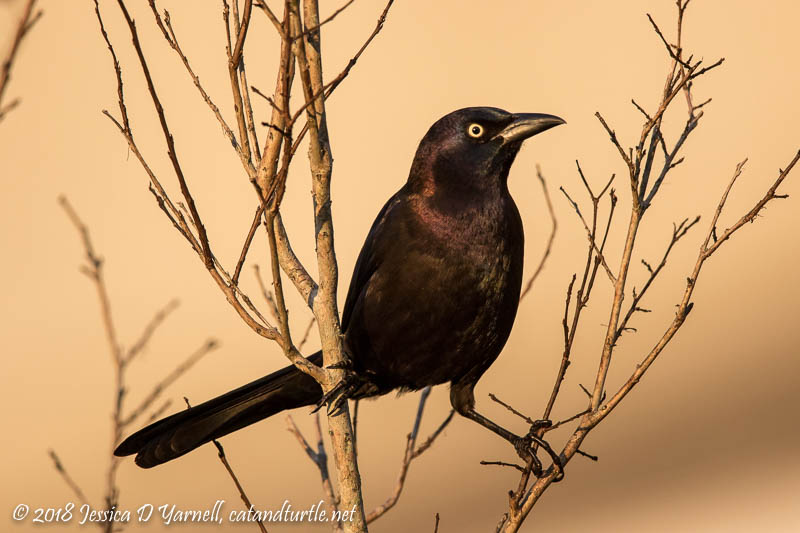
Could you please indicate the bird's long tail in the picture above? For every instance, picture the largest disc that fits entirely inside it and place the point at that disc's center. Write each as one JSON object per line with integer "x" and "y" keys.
{"x": 182, "y": 432}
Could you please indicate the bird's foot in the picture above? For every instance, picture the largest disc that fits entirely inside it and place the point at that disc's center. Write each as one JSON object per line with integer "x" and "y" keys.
{"x": 526, "y": 450}
{"x": 351, "y": 385}
{"x": 523, "y": 447}
{"x": 345, "y": 364}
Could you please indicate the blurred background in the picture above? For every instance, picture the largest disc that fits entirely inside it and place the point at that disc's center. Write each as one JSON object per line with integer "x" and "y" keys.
{"x": 707, "y": 441}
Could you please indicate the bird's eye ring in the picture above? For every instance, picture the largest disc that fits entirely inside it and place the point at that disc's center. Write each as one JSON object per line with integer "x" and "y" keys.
{"x": 475, "y": 130}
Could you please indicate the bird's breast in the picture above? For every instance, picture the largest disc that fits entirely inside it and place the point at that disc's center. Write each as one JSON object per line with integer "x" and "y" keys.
{"x": 487, "y": 234}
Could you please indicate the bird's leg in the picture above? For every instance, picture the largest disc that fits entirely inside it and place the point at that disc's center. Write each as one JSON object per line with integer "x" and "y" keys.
{"x": 521, "y": 444}
{"x": 463, "y": 401}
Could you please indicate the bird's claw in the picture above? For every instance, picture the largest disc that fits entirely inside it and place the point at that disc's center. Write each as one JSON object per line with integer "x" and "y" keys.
{"x": 346, "y": 363}
{"x": 342, "y": 365}
{"x": 525, "y": 449}
{"x": 337, "y": 397}
{"x": 540, "y": 424}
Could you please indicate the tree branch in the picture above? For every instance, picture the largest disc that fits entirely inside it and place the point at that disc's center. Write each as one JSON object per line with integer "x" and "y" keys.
{"x": 550, "y": 239}
{"x": 24, "y": 25}
{"x": 409, "y": 455}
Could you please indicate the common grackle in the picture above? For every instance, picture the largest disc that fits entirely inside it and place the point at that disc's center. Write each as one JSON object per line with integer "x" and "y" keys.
{"x": 433, "y": 295}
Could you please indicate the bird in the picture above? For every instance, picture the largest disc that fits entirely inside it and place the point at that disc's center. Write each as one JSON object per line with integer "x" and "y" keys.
{"x": 432, "y": 299}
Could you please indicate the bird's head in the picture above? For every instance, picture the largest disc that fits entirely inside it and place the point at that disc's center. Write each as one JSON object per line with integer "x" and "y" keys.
{"x": 473, "y": 148}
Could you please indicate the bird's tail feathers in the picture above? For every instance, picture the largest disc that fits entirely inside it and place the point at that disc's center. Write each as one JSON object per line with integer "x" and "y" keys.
{"x": 182, "y": 432}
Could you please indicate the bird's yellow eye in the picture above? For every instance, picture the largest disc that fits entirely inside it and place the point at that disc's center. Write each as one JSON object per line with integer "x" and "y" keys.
{"x": 475, "y": 131}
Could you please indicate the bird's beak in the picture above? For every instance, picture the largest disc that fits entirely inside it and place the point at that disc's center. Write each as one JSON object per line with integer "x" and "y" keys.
{"x": 524, "y": 125}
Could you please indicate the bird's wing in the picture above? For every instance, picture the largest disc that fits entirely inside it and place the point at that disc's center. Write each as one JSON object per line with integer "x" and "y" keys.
{"x": 369, "y": 258}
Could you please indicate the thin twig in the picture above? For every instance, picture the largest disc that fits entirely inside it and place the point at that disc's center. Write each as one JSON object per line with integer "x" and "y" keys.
{"x": 526, "y": 418}
{"x": 223, "y": 458}
{"x": 678, "y": 232}
{"x": 178, "y": 371}
{"x": 271, "y": 16}
{"x": 750, "y": 215}
{"x": 149, "y": 330}
{"x": 502, "y": 463}
{"x": 306, "y": 334}
{"x": 235, "y": 64}
{"x": 327, "y": 20}
{"x": 173, "y": 156}
{"x": 236, "y": 56}
{"x": 165, "y": 25}
{"x": 320, "y": 458}
{"x": 550, "y": 239}
{"x": 59, "y": 466}
{"x": 94, "y": 270}
{"x": 410, "y": 454}
{"x": 242, "y": 494}
{"x": 26, "y": 22}
{"x": 247, "y": 242}
{"x": 593, "y": 261}
{"x": 331, "y": 86}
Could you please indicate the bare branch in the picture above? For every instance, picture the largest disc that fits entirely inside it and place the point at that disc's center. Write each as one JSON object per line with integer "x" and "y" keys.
{"x": 155, "y": 415}
{"x": 95, "y": 272}
{"x": 220, "y": 277}
{"x": 612, "y": 134}
{"x": 59, "y": 466}
{"x": 149, "y": 330}
{"x": 224, "y": 460}
{"x": 526, "y": 418}
{"x": 271, "y": 16}
{"x": 170, "y": 378}
{"x": 268, "y": 166}
{"x": 273, "y": 309}
{"x": 327, "y": 20}
{"x": 502, "y": 463}
{"x": 236, "y": 56}
{"x": 247, "y": 242}
{"x": 203, "y": 238}
{"x": 587, "y": 455}
{"x": 410, "y": 454}
{"x": 242, "y": 494}
{"x": 235, "y": 64}
{"x": 668, "y": 46}
{"x": 307, "y": 333}
{"x": 286, "y": 343}
{"x": 433, "y": 436}
{"x": 320, "y": 459}
{"x": 331, "y": 86}
{"x": 26, "y": 22}
{"x": 324, "y": 305}
{"x": 590, "y": 235}
{"x": 593, "y": 261}
{"x": 550, "y": 239}
{"x": 750, "y": 215}
{"x": 686, "y": 305}
{"x": 567, "y": 420}
{"x": 677, "y": 233}
{"x": 562, "y": 371}
{"x": 691, "y": 124}
{"x": 168, "y": 32}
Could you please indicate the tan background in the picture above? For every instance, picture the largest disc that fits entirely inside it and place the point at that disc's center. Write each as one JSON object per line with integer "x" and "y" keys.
{"x": 708, "y": 441}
